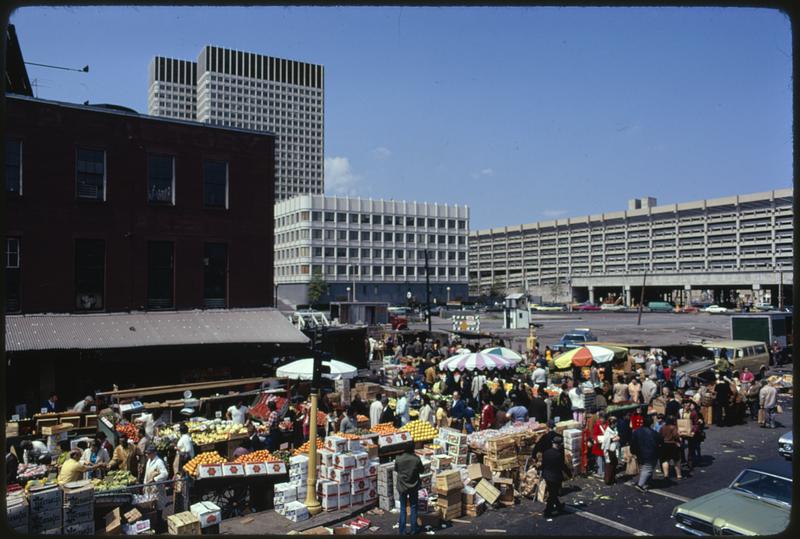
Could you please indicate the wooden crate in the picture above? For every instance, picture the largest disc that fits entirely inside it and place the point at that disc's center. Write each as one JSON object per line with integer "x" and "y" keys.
{"x": 185, "y": 523}
{"x": 502, "y": 447}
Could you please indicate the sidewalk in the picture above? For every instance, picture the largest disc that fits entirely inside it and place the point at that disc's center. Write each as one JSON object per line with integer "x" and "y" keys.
{"x": 271, "y": 522}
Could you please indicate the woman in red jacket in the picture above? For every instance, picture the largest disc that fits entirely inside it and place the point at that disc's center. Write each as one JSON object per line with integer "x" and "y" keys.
{"x": 487, "y": 414}
{"x": 597, "y": 443}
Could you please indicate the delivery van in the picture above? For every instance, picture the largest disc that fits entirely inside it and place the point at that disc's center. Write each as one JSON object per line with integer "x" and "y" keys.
{"x": 750, "y": 354}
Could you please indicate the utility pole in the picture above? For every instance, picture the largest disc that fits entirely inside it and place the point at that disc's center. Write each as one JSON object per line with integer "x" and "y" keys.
{"x": 780, "y": 290}
{"x": 428, "y": 290}
{"x": 641, "y": 299}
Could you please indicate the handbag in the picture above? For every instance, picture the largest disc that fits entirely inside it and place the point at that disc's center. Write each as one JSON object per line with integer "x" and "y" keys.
{"x": 632, "y": 467}
{"x": 762, "y": 416}
{"x": 779, "y": 409}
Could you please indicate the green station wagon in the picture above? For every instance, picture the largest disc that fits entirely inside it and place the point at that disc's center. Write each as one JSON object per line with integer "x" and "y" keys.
{"x": 757, "y": 502}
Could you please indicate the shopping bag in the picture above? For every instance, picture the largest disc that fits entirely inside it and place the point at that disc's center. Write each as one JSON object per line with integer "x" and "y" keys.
{"x": 632, "y": 467}
{"x": 541, "y": 493}
{"x": 762, "y": 416}
{"x": 779, "y": 409}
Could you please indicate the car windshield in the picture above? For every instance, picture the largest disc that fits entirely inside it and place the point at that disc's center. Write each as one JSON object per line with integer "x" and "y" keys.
{"x": 764, "y": 486}
{"x": 574, "y": 338}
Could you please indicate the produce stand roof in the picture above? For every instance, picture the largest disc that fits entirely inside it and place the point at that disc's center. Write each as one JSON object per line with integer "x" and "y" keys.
{"x": 142, "y": 329}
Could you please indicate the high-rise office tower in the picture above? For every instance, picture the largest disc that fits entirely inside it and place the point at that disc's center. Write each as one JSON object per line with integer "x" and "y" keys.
{"x": 251, "y": 91}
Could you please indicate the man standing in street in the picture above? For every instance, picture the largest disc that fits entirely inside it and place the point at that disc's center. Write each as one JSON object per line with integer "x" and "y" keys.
{"x": 649, "y": 389}
{"x": 375, "y": 411}
{"x": 408, "y": 467}
{"x": 768, "y": 401}
{"x": 644, "y": 446}
{"x": 553, "y": 470}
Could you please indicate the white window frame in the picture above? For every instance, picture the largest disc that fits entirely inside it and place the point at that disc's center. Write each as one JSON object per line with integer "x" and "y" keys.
{"x": 105, "y": 173}
{"x": 9, "y": 242}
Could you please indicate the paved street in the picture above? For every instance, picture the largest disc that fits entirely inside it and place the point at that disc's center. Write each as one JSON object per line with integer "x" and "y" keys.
{"x": 620, "y": 509}
{"x": 656, "y": 328}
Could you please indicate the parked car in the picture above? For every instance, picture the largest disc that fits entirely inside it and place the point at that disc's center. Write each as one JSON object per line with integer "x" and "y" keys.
{"x": 785, "y": 445}
{"x": 574, "y": 339}
{"x": 689, "y": 309}
{"x": 614, "y": 307}
{"x": 586, "y": 306}
{"x": 398, "y": 322}
{"x": 549, "y": 307}
{"x": 661, "y": 307}
{"x": 757, "y": 502}
{"x": 715, "y": 309}
{"x": 764, "y": 307}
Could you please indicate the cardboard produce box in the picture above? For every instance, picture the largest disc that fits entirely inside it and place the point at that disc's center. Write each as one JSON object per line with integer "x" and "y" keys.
{"x": 82, "y": 528}
{"x": 58, "y": 428}
{"x": 78, "y": 514}
{"x": 45, "y": 499}
{"x": 685, "y": 427}
{"x": 208, "y": 513}
{"x": 137, "y": 528}
{"x": 45, "y": 520}
{"x": 185, "y": 523}
{"x": 478, "y": 472}
{"x": 487, "y": 491}
{"x": 475, "y": 510}
{"x": 113, "y": 522}
{"x": 451, "y": 511}
{"x": 78, "y": 493}
{"x": 448, "y": 480}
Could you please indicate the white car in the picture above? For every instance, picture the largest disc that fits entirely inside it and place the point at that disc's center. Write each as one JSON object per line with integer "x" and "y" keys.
{"x": 715, "y": 309}
{"x": 612, "y": 307}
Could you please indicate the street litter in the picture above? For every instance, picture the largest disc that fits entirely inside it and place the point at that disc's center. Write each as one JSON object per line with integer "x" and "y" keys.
{"x": 461, "y": 521}
{"x": 396, "y": 526}
{"x": 374, "y": 528}
{"x": 495, "y": 531}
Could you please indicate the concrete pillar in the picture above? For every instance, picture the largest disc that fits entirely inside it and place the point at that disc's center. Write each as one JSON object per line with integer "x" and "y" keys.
{"x": 591, "y": 294}
{"x": 627, "y": 296}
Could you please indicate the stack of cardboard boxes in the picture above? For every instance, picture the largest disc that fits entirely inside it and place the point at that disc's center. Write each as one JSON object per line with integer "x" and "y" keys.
{"x": 572, "y": 448}
{"x": 17, "y": 511}
{"x": 78, "y": 509}
{"x": 186, "y": 523}
{"x": 455, "y": 443}
{"x": 46, "y": 510}
{"x": 386, "y": 489}
{"x": 298, "y": 475}
{"x": 448, "y": 487}
{"x": 209, "y": 514}
{"x": 284, "y": 493}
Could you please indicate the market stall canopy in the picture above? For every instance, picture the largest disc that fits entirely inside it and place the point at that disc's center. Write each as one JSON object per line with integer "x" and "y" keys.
{"x": 142, "y": 329}
{"x": 584, "y": 356}
{"x": 480, "y": 361}
{"x": 684, "y": 349}
{"x": 505, "y": 353}
{"x": 303, "y": 369}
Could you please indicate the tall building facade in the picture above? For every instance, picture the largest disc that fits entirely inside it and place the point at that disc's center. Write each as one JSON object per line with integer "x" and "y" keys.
{"x": 370, "y": 250}
{"x": 713, "y": 247}
{"x": 241, "y": 89}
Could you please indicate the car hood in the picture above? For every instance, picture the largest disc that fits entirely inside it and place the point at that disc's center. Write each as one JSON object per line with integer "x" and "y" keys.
{"x": 786, "y": 439}
{"x": 739, "y": 512}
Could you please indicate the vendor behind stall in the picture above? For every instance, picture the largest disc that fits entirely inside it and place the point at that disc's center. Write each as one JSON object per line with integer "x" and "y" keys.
{"x": 83, "y": 405}
{"x": 12, "y": 464}
{"x": 156, "y": 471}
{"x": 73, "y": 469}
{"x": 97, "y": 456}
{"x": 237, "y": 413}
{"x": 33, "y": 451}
{"x": 185, "y": 448}
{"x": 122, "y": 459}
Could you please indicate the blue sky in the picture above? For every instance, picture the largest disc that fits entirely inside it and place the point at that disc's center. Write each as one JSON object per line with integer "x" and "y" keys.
{"x": 523, "y": 114}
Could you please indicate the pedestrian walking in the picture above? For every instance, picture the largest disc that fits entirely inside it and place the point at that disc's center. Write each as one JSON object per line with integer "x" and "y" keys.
{"x": 553, "y": 470}
{"x": 644, "y": 446}
{"x": 670, "y": 453}
{"x": 768, "y": 401}
{"x": 598, "y": 431}
{"x": 408, "y": 467}
{"x": 610, "y": 446}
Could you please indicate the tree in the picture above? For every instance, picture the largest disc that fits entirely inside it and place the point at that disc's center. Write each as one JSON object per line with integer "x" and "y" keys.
{"x": 316, "y": 289}
{"x": 496, "y": 290}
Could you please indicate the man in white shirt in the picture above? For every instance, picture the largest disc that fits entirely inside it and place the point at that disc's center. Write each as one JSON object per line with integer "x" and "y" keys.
{"x": 154, "y": 471}
{"x": 768, "y": 400}
{"x": 649, "y": 389}
{"x": 539, "y": 376}
{"x": 402, "y": 410}
{"x": 238, "y": 413}
{"x": 83, "y": 405}
{"x": 32, "y": 451}
{"x": 375, "y": 411}
{"x": 477, "y": 384}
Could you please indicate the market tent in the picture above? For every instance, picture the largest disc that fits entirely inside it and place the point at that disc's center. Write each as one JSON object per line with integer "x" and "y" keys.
{"x": 475, "y": 361}
{"x": 505, "y": 353}
{"x": 302, "y": 369}
{"x": 584, "y": 356}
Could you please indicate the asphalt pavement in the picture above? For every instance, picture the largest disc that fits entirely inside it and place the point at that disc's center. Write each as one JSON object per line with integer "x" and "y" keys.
{"x": 620, "y": 509}
{"x": 655, "y": 328}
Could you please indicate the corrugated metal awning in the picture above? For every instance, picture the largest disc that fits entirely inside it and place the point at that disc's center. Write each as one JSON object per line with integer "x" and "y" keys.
{"x": 140, "y": 329}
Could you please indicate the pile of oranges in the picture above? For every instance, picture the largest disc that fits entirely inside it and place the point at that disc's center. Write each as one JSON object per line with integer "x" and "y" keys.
{"x": 209, "y": 457}
{"x": 348, "y": 436}
{"x": 303, "y": 449}
{"x": 361, "y": 418}
{"x": 384, "y": 428}
{"x": 256, "y": 456}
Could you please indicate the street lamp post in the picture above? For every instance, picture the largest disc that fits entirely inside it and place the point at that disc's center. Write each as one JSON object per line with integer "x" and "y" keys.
{"x": 312, "y": 503}
{"x": 448, "y": 294}
{"x": 348, "y": 293}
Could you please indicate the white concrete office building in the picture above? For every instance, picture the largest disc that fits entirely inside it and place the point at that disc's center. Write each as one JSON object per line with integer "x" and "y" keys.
{"x": 713, "y": 247}
{"x": 251, "y": 91}
{"x": 370, "y": 250}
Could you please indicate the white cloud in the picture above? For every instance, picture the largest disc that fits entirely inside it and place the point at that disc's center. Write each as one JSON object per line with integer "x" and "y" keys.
{"x": 381, "y": 153}
{"x": 553, "y": 213}
{"x": 339, "y": 176}
{"x": 483, "y": 173}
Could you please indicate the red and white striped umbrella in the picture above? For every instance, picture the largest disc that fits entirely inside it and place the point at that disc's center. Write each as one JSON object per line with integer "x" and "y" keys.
{"x": 479, "y": 361}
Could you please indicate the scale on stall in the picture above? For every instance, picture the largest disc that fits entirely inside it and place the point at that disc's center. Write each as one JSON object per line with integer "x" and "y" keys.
{"x": 190, "y": 404}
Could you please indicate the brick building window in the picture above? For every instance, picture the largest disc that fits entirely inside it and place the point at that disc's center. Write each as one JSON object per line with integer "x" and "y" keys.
{"x": 215, "y": 184}
{"x": 12, "y": 269}
{"x": 160, "y": 275}
{"x": 90, "y": 171}
{"x": 90, "y": 274}
{"x": 14, "y": 166}
{"x": 161, "y": 179}
{"x": 215, "y": 276}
